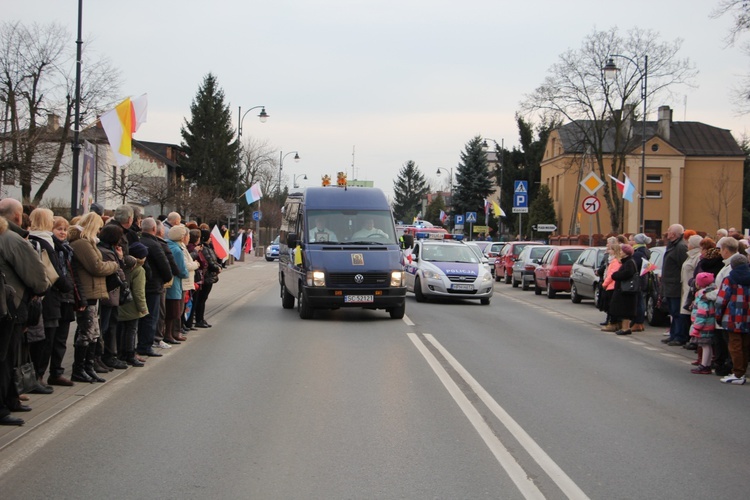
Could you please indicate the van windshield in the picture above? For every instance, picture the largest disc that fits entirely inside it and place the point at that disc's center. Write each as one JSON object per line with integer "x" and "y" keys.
{"x": 350, "y": 227}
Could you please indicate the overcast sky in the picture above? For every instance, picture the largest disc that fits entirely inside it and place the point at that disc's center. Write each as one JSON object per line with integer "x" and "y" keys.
{"x": 392, "y": 80}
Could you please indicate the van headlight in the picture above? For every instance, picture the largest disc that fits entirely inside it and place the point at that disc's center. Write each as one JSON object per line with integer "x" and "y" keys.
{"x": 397, "y": 278}
{"x": 316, "y": 278}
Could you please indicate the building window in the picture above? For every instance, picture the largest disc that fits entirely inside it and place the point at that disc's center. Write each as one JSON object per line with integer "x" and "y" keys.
{"x": 654, "y": 178}
{"x": 653, "y": 194}
{"x": 9, "y": 177}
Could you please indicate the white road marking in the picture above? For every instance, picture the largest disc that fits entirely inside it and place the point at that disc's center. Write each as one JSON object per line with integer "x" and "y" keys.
{"x": 408, "y": 321}
{"x": 561, "y": 479}
{"x": 527, "y": 488}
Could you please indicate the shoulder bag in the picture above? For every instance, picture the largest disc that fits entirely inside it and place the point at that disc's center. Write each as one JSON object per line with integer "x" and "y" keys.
{"x": 24, "y": 373}
{"x": 632, "y": 284}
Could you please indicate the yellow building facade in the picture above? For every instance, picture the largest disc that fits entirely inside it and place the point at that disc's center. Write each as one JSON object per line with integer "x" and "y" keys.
{"x": 693, "y": 176}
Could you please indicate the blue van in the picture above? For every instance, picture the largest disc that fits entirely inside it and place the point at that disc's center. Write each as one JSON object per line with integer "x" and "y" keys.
{"x": 338, "y": 248}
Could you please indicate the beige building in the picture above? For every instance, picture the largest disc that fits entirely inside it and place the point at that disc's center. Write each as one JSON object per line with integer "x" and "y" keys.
{"x": 693, "y": 176}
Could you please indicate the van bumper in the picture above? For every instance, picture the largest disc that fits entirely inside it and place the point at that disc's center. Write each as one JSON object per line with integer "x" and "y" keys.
{"x": 332, "y": 298}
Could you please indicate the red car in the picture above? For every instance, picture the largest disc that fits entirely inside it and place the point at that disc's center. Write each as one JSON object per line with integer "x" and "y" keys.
{"x": 553, "y": 272}
{"x": 508, "y": 255}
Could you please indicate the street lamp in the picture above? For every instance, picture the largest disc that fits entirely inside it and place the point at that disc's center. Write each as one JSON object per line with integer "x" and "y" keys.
{"x": 304, "y": 177}
{"x": 281, "y": 164}
{"x": 610, "y": 72}
{"x": 263, "y": 116}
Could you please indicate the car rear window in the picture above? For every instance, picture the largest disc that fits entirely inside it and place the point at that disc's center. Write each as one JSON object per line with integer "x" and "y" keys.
{"x": 568, "y": 257}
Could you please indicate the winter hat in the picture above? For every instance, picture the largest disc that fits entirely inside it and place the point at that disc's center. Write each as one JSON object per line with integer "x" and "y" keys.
{"x": 176, "y": 233}
{"x": 138, "y": 250}
{"x": 205, "y": 235}
{"x": 626, "y": 249}
{"x": 695, "y": 241}
{"x": 642, "y": 239}
{"x": 738, "y": 260}
{"x": 97, "y": 208}
{"x": 704, "y": 279}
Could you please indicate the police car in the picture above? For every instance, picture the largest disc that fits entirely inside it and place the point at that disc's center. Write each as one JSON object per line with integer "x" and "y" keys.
{"x": 272, "y": 250}
{"x": 446, "y": 267}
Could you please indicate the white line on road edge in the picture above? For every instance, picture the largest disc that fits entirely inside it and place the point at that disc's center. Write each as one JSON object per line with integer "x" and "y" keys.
{"x": 527, "y": 488}
{"x": 561, "y": 479}
{"x": 408, "y": 321}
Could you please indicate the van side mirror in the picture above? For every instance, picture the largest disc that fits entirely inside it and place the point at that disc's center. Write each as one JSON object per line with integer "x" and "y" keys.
{"x": 291, "y": 240}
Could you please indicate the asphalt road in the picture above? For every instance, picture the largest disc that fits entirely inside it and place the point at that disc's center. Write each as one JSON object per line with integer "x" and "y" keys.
{"x": 524, "y": 398}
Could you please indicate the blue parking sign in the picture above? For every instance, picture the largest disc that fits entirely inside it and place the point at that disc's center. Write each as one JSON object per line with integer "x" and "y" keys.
{"x": 520, "y": 197}
{"x": 459, "y": 220}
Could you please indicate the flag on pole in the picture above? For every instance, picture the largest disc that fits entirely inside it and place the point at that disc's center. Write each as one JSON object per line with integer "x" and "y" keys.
{"x": 486, "y": 206}
{"x": 121, "y": 123}
{"x": 236, "y": 250}
{"x": 443, "y": 217}
{"x": 221, "y": 249}
{"x": 627, "y": 188}
{"x": 497, "y": 210}
{"x": 226, "y": 239}
{"x": 249, "y": 242}
{"x": 253, "y": 194}
{"x": 647, "y": 267}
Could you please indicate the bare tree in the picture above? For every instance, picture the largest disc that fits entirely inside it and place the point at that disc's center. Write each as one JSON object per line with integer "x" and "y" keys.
{"x": 202, "y": 203}
{"x": 36, "y": 81}
{"x": 739, "y": 10}
{"x": 158, "y": 191}
{"x": 577, "y": 90}
{"x": 720, "y": 197}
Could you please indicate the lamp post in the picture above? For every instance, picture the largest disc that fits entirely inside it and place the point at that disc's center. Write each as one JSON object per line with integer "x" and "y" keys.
{"x": 263, "y": 116}
{"x": 610, "y": 72}
{"x": 502, "y": 169}
{"x": 294, "y": 183}
{"x": 281, "y": 165}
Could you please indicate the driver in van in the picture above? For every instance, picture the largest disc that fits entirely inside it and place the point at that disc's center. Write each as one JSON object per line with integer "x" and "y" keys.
{"x": 369, "y": 229}
{"x": 320, "y": 233}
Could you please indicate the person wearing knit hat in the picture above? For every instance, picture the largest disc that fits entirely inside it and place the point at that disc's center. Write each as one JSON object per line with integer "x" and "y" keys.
{"x": 177, "y": 233}
{"x": 138, "y": 250}
{"x": 623, "y": 305}
{"x": 731, "y": 307}
{"x": 641, "y": 253}
{"x": 687, "y": 273}
{"x": 703, "y": 320}
{"x": 642, "y": 239}
{"x": 627, "y": 249}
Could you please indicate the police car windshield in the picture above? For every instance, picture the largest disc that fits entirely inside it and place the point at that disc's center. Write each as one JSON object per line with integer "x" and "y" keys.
{"x": 351, "y": 227}
{"x": 448, "y": 253}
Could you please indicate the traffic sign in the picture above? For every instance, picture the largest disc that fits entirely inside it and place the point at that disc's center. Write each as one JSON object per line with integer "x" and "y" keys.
{"x": 591, "y": 205}
{"x": 520, "y": 197}
{"x": 545, "y": 228}
{"x": 459, "y": 220}
{"x": 592, "y": 183}
{"x": 257, "y": 215}
{"x": 521, "y": 187}
{"x": 471, "y": 216}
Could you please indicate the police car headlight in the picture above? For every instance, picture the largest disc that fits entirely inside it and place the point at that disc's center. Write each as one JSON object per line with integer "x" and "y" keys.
{"x": 316, "y": 278}
{"x": 432, "y": 275}
{"x": 397, "y": 278}
{"x": 487, "y": 277}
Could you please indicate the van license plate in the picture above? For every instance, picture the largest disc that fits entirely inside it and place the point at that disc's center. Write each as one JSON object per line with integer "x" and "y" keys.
{"x": 358, "y": 298}
{"x": 463, "y": 287}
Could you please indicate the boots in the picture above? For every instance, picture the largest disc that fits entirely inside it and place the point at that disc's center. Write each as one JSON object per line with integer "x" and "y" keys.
{"x": 79, "y": 360}
{"x": 89, "y": 365}
{"x": 637, "y": 327}
{"x": 99, "y": 365}
{"x": 612, "y": 327}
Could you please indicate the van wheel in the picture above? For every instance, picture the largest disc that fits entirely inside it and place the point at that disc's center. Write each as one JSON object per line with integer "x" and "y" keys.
{"x": 303, "y": 306}
{"x": 418, "y": 290}
{"x": 574, "y": 297}
{"x": 398, "y": 312}
{"x": 287, "y": 299}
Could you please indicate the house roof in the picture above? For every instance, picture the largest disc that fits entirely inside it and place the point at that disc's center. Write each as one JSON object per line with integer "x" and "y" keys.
{"x": 159, "y": 150}
{"x": 690, "y": 138}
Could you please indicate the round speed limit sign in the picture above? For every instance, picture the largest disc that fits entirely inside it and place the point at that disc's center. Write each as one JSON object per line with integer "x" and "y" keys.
{"x": 591, "y": 205}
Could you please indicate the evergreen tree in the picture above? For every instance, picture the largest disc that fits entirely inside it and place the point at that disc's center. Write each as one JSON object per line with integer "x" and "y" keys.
{"x": 542, "y": 210}
{"x": 209, "y": 142}
{"x": 473, "y": 181}
{"x": 408, "y": 189}
{"x": 432, "y": 214}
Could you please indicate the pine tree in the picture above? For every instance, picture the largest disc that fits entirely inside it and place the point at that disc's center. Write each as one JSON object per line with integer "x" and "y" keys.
{"x": 209, "y": 142}
{"x": 542, "y": 209}
{"x": 473, "y": 181}
{"x": 408, "y": 189}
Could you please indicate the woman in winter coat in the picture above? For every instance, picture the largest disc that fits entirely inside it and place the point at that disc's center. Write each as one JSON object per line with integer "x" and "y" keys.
{"x": 110, "y": 240}
{"x": 641, "y": 253}
{"x": 608, "y": 284}
{"x": 91, "y": 272}
{"x": 41, "y": 336}
{"x": 175, "y": 296}
{"x": 130, "y": 312}
{"x": 210, "y": 276}
{"x": 623, "y": 302}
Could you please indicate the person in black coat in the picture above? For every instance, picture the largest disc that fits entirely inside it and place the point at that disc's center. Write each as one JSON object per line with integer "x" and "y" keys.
{"x": 159, "y": 270}
{"x": 641, "y": 252}
{"x": 623, "y": 305}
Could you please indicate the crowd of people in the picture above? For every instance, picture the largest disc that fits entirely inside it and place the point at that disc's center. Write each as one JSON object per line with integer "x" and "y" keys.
{"x": 133, "y": 286}
{"x": 705, "y": 285}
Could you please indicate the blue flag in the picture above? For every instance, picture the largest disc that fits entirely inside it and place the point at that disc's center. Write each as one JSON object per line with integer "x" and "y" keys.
{"x": 236, "y": 250}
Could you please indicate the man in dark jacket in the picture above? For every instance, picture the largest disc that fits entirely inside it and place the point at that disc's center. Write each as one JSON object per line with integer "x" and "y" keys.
{"x": 641, "y": 252}
{"x": 158, "y": 272}
{"x": 671, "y": 282}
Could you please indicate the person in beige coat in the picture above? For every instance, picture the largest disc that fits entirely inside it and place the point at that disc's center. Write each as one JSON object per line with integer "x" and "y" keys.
{"x": 687, "y": 273}
{"x": 188, "y": 284}
{"x": 91, "y": 272}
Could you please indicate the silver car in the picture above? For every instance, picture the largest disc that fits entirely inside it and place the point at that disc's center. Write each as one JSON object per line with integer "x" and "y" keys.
{"x": 526, "y": 263}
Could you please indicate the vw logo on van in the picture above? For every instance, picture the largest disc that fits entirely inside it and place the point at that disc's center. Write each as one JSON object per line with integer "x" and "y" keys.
{"x": 358, "y": 278}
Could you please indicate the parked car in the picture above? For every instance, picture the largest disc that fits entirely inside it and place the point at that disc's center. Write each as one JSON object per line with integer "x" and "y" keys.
{"x": 657, "y": 310}
{"x": 553, "y": 272}
{"x": 491, "y": 252}
{"x": 477, "y": 249}
{"x": 272, "y": 250}
{"x": 508, "y": 255}
{"x": 584, "y": 282}
{"x": 525, "y": 264}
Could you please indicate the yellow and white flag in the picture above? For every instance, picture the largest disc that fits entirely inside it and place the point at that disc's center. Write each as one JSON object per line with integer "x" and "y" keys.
{"x": 121, "y": 123}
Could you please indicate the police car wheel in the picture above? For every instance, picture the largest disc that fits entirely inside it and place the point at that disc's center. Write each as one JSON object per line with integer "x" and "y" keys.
{"x": 418, "y": 291}
{"x": 485, "y": 301}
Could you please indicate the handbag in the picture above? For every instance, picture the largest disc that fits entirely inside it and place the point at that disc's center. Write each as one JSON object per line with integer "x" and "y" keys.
{"x": 24, "y": 373}
{"x": 631, "y": 285}
{"x": 49, "y": 269}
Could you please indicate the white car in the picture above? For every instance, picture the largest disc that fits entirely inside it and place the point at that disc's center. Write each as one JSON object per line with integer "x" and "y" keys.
{"x": 526, "y": 263}
{"x": 448, "y": 269}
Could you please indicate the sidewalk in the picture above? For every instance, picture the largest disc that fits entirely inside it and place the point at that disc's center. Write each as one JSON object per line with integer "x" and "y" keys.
{"x": 47, "y": 406}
